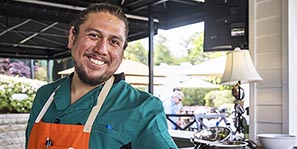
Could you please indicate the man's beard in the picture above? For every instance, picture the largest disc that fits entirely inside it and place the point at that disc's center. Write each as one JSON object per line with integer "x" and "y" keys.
{"x": 83, "y": 76}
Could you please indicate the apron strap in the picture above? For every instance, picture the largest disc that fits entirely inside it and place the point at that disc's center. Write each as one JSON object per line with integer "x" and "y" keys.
{"x": 46, "y": 105}
{"x": 100, "y": 100}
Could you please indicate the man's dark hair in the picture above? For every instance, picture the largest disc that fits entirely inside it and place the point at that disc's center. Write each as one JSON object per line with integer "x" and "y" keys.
{"x": 176, "y": 89}
{"x": 101, "y": 7}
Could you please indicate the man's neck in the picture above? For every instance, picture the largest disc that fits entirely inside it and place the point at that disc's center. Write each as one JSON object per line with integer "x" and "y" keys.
{"x": 78, "y": 88}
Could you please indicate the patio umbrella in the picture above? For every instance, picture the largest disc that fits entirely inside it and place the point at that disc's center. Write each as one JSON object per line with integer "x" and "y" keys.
{"x": 144, "y": 81}
{"x": 66, "y": 72}
{"x": 213, "y": 67}
{"x": 133, "y": 68}
{"x": 195, "y": 82}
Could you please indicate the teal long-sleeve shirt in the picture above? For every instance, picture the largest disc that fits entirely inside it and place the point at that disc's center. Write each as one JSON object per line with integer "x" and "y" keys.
{"x": 135, "y": 119}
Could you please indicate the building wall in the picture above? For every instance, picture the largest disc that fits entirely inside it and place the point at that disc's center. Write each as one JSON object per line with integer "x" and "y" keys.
{"x": 292, "y": 61}
{"x": 273, "y": 48}
{"x": 12, "y": 130}
{"x": 268, "y": 45}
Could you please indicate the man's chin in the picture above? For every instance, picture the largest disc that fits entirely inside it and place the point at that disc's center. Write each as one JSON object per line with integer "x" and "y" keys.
{"x": 91, "y": 79}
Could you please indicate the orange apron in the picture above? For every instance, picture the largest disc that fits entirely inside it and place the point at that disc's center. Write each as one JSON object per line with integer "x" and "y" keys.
{"x": 65, "y": 136}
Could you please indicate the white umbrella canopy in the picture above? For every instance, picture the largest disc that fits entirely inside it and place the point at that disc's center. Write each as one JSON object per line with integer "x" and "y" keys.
{"x": 133, "y": 68}
{"x": 66, "y": 72}
{"x": 213, "y": 67}
{"x": 195, "y": 82}
{"x": 144, "y": 80}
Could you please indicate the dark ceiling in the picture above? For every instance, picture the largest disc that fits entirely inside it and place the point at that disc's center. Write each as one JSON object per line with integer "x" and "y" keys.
{"x": 38, "y": 29}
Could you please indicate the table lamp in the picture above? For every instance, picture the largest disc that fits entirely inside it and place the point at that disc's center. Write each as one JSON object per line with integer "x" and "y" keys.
{"x": 239, "y": 69}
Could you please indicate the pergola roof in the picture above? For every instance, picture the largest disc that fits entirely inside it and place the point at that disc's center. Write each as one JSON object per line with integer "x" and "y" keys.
{"x": 38, "y": 29}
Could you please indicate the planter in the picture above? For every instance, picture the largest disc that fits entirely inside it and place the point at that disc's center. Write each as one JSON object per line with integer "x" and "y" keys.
{"x": 12, "y": 130}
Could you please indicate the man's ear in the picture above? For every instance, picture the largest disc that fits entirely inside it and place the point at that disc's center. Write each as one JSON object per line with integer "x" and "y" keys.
{"x": 71, "y": 37}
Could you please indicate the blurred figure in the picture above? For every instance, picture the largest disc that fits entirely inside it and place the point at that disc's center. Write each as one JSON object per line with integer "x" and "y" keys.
{"x": 173, "y": 105}
{"x": 176, "y": 89}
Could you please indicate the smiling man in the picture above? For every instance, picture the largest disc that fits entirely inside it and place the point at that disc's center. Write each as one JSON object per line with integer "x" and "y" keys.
{"x": 93, "y": 108}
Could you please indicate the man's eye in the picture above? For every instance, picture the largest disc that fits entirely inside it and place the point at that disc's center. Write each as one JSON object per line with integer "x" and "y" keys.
{"x": 115, "y": 42}
{"x": 93, "y": 36}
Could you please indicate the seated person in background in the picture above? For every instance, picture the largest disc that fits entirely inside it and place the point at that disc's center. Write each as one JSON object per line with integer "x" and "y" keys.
{"x": 173, "y": 105}
{"x": 176, "y": 89}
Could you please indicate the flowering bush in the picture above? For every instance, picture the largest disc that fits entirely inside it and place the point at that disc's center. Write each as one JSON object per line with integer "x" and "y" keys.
{"x": 16, "y": 68}
{"x": 17, "y": 94}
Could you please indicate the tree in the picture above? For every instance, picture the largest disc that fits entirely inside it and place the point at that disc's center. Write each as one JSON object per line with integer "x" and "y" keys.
{"x": 162, "y": 54}
{"x": 135, "y": 51}
{"x": 219, "y": 98}
{"x": 195, "y": 96}
{"x": 195, "y": 52}
{"x": 40, "y": 73}
{"x": 40, "y": 70}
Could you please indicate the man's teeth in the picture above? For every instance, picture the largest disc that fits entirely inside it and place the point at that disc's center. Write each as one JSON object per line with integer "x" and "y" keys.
{"x": 97, "y": 62}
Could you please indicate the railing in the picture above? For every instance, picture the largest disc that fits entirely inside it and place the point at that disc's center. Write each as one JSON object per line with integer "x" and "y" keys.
{"x": 198, "y": 119}
{"x": 192, "y": 120}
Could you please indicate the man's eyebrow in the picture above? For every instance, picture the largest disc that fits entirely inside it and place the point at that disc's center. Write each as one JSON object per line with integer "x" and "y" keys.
{"x": 118, "y": 37}
{"x": 112, "y": 35}
{"x": 92, "y": 29}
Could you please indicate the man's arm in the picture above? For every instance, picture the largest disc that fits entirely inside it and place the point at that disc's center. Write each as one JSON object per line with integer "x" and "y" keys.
{"x": 152, "y": 129}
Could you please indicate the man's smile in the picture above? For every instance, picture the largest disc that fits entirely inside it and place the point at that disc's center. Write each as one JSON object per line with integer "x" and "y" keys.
{"x": 95, "y": 61}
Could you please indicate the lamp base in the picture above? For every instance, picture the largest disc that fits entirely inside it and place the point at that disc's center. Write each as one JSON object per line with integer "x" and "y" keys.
{"x": 238, "y": 91}
{"x": 239, "y": 121}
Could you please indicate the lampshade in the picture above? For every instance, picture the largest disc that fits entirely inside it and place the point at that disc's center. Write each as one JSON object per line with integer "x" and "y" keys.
{"x": 239, "y": 67}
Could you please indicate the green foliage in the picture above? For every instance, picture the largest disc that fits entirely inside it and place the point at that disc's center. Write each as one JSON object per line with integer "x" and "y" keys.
{"x": 217, "y": 80}
{"x": 41, "y": 73}
{"x": 209, "y": 96}
{"x": 219, "y": 98}
{"x": 194, "y": 96}
{"x": 16, "y": 96}
{"x": 162, "y": 54}
{"x": 136, "y": 52}
{"x": 195, "y": 53}
{"x": 40, "y": 69}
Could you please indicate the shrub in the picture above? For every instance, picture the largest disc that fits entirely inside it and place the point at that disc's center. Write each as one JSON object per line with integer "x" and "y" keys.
{"x": 19, "y": 68}
{"x": 16, "y": 68}
{"x": 17, "y": 94}
{"x": 41, "y": 73}
{"x": 219, "y": 98}
{"x": 195, "y": 96}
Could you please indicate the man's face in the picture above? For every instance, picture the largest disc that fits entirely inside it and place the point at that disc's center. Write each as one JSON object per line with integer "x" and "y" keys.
{"x": 177, "y": 100}
{"x": 97, "y": 49}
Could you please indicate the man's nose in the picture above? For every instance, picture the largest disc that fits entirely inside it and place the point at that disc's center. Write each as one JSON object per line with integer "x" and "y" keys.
{"x": 101, "y": 46}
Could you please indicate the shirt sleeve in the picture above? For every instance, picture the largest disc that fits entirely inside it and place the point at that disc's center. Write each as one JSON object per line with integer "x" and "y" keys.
{"x": 152, "y": 129}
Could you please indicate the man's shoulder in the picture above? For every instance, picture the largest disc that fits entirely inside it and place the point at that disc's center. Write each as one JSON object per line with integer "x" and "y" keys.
{"x": 125, "y": 87}
{"x": 48, "y": 88}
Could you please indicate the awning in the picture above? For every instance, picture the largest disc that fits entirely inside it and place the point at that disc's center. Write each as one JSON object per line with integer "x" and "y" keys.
{"x": 38, "y": 29}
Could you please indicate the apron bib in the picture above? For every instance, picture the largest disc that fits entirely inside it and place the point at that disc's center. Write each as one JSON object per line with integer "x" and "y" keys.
{"x": 65, "y": 136}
